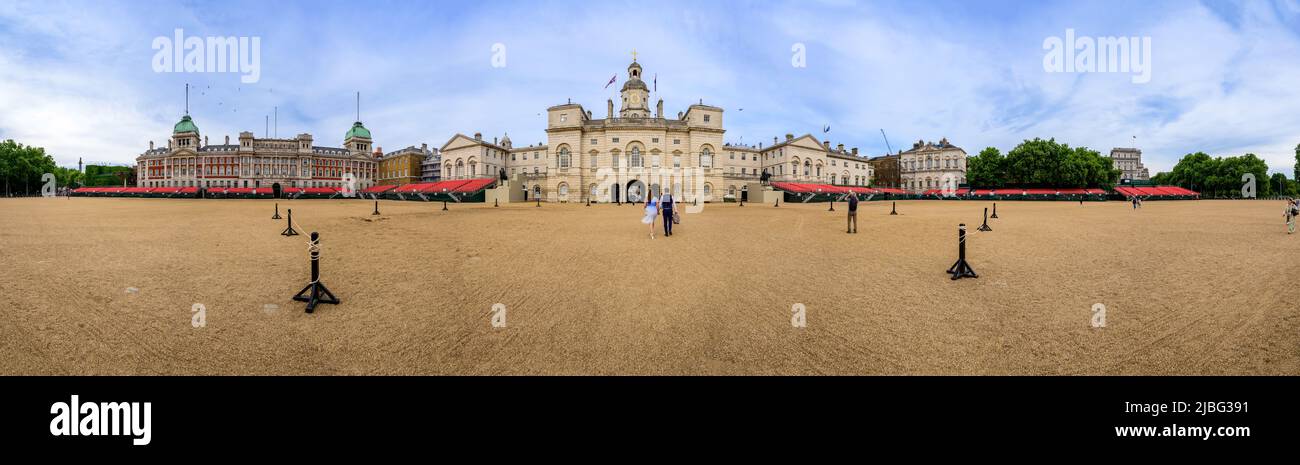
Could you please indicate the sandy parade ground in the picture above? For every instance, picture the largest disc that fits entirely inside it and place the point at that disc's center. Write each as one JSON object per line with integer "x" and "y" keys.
{"x": 108, "y": 286}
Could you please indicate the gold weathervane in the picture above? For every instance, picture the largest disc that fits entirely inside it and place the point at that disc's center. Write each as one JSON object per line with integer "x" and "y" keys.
{"x": 634, "y": 54}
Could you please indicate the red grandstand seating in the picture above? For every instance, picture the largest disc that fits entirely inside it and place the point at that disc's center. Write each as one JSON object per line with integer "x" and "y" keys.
{"x": 411, "y": 188}
{"x": 474, "y": 185}
{"x": 377, "y": 189}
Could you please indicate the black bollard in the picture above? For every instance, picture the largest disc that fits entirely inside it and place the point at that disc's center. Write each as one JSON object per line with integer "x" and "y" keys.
{"x": 277, "y": 211}
{"x": 778, "y": 202}
{"x": 995, "y": 211}
{"x": 985, "y": 226}
{"x": 319, "y": 293}
{"x": 588, "y": 201}
{"x": 444, "y": 204}
{"x": 496, "y": 203}
{"x": 376, "y": 213}
{"x": 832, "y": 204}
{"x": 961, "y": 269}
{"x": 288, "y": 230}
{"x": 893, "y": 210}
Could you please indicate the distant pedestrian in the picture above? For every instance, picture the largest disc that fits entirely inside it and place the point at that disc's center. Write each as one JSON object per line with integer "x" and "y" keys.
{"x": 853, "y": 214}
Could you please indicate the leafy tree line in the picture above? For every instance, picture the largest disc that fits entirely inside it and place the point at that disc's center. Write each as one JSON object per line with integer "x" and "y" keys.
{"x": 1041, "y": 163}
{"x": 1221, "y": 176}
{"x": 22, "y": 166}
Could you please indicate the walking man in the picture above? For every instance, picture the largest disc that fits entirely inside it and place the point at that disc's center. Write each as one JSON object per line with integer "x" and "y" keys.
{"x": 666, "y": 203}
{"x": 853, "y": 214}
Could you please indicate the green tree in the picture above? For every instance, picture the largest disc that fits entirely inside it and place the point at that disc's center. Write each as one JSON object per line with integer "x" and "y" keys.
{"x": 23, "y": 166}
{"x": 986, "y": 169}
{"x": 1047, "y": 163}
{"x": 1296, "y": 174}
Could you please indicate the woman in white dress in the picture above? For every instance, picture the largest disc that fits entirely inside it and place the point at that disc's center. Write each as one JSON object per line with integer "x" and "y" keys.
{"x": 651, "y": 211}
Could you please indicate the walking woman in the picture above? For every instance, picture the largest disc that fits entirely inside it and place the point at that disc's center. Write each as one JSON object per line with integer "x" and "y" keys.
{"x": 651, "y": 211}
{"x": 1291, "y": 212}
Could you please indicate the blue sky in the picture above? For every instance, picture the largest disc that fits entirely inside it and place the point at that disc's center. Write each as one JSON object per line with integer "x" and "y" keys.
{"x": 76, "y": 77}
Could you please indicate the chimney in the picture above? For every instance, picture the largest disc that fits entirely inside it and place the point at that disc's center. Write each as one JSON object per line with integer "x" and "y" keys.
{"x": 773, "y": 140}
{"x": 205, "y": 141}
{"x": 478, "y": 136}
{"x": 424, "y": 148}
{"x": 659, "y": 109}
{"x": 494, "y": 141}
{"x": 789, "y": 136}
{"x": 227, "y": 139}
{"x": 150, "y": 145}
{"x": 826, "y": 144}
{"x": 855, "y": 151}
{"x": 609, "y": 108}
{"x": 840, "y": 148}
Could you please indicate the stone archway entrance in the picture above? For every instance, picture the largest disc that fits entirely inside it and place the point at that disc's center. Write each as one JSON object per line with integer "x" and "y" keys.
{"x": 636, "y": 191}
{"x": 613, "y": 193}
{"x": 275, "y": 190}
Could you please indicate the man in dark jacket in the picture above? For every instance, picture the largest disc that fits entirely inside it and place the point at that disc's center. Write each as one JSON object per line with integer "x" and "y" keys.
{"x": 853, "y": 214}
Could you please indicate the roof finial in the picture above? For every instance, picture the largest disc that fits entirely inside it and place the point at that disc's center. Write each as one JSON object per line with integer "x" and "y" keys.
{"x": 358, "y": 106}
{"x": 634, "y": 55}
{"x": 187, "y": 99}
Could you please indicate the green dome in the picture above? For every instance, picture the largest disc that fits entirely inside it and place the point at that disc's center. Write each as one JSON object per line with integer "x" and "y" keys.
{"x": 357, "y": 131}
{"x": 185, "y": 125}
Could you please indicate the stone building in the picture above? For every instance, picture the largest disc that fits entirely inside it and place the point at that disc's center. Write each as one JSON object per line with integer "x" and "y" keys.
{"x": 886, "y": 172}
{"x": 639, "y": 149}
{"x": 928, "y": 165}
{"x": 804, "y": 159}
{"x": 189, "y": 160}
{"x": 1129, "y": 162}
{"x": 405, "y": 166}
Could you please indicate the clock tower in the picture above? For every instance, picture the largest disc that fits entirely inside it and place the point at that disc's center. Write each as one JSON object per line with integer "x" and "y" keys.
{"x": 636, "y": 96}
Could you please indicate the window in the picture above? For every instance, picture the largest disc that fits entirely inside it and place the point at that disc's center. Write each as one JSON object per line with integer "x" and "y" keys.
{"x": 593, "y": 142}
{"x": 636, "y": 157}
{"x": 615, "y": 140}
{"x": 654, "y": 140}
{"x": 594, "y": 160}
{"x": 706, "y": 118}
{"x": 677, "y": 142}
{"x": 564, "y": 117}
{"x": 677, "y": 160}
{"x": 706, "y": 158}
{"x": 564, "y": 157}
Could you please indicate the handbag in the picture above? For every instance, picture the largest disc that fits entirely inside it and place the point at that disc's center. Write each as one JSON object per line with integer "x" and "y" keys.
{"x": 677, "y": 217}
